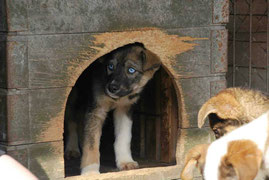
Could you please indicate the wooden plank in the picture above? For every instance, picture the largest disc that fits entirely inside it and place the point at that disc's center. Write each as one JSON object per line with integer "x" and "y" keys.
{"x": 174, "y": 124}
{"x": 158, "y": 98}
{"x": 169, "y": 120}
{"x": 150, "y": 138}
{"x": 142, "y": 137}
{"x": 147, "y": 109}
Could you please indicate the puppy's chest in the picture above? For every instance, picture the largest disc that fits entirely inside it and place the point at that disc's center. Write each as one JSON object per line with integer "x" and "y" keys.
{"x": 123, "y": 102}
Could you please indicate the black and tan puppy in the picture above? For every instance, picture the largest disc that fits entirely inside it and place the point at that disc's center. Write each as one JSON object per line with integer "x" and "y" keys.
{"x": 113, "y": 83}
{"x": 232, "y": 108}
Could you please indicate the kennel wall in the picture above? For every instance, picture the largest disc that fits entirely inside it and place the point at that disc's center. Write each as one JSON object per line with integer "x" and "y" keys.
{"x": 46, "y": 45}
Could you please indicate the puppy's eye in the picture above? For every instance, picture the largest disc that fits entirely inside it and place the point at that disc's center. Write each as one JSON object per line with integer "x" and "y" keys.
{"x": 131, "y": 70}
{"x": 110, "y": 67}
{"x": 216, "y": 131}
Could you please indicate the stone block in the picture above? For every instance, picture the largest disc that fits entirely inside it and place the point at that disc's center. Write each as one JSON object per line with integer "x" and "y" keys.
{"x": 194, "y": 93}
{"x": 31, "y": 116}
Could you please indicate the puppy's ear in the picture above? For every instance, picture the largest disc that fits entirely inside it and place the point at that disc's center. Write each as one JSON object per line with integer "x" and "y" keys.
{"x": 243, "y": 160}
{"x": 150, "y": 60}
{"x": 195, "y": 158}
{"x": 224, "y": 104}
{"x": 205, "y": 110}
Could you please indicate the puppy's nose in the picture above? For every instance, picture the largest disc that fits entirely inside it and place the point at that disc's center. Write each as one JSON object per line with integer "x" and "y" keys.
{"x": 113, "y": 88}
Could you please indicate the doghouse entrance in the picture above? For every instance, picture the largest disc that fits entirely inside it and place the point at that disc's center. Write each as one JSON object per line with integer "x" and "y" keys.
{"x": 154, "y": 131}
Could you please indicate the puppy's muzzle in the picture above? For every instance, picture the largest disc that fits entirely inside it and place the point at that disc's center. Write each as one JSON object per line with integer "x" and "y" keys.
{"x": 112, "y": 89}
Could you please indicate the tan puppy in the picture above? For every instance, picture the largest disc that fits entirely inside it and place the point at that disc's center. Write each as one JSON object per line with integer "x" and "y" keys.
{"x": 231, "y": 108}
{"x": 242, "y": 154}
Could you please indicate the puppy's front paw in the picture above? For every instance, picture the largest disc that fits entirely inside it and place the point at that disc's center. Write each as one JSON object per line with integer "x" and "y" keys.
{"x": 128, "y": 165}
{"x": 92, "y": 169}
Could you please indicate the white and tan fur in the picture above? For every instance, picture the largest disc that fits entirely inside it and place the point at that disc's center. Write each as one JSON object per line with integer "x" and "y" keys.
{"x": 228, "y": 110}
{"x": 241, "y": 154}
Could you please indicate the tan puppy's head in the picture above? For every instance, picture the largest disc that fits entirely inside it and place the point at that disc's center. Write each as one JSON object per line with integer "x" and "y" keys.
{"x": 222, "y": 126}
{"x": 242, "y": 161}
{"x": 231, "y": 108}
{"x": 195, "y": 158}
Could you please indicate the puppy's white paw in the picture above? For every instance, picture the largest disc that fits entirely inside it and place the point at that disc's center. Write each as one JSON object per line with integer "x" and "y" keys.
{"x": 128, "y": 165}
{"x": 92, "y": 169}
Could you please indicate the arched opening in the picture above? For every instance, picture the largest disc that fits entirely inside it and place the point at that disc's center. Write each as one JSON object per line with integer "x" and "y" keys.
{"x": 154, "y": 131}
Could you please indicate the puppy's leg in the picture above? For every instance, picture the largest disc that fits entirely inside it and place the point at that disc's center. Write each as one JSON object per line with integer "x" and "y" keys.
{"x": 123, "y": 133}
{"x": 72, "y": 149}
{"x": 90, "y": 161}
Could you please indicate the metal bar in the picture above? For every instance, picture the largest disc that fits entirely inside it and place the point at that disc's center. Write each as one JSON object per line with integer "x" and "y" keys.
{"x": 253, "y": 67}
{"x": 267, "y": 53}
{"x": 250, "y": 45}
{"x": 248, "y": 14}
{"x": 252, "y": 41}
{"x": 234, "y": 32}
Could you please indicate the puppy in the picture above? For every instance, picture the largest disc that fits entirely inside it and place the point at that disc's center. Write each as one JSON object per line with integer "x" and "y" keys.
{"x": 242, "y": 154}
{"x": 231, "y": 108}
{"x": 112, "y": 83}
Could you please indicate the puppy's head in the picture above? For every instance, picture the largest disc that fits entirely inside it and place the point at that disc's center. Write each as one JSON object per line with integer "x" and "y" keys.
{"x": 195, "y": 158}
{"x": 128, "y": 69}
{"x": 242, "y": 161}
{"x": 222, "y": 126}
{"x": 231, "y": 108}
{"x": 224, "y": 113}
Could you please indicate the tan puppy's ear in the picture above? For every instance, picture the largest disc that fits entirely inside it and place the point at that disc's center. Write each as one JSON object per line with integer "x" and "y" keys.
{"x": 195, "y": 158}
{"x": 243, "y": 160}
{"x": 205, "y": 110}
{"x": 225, "y": 105}
{"x": 150, "y": 60}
